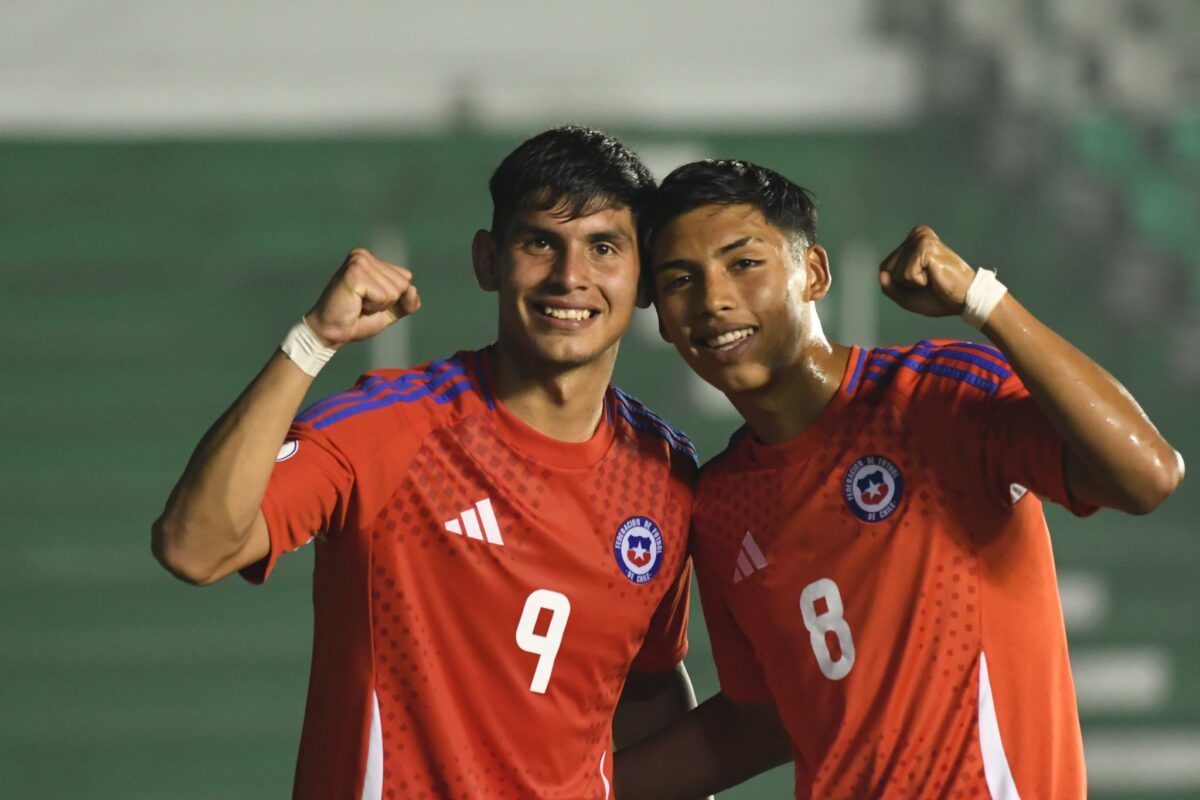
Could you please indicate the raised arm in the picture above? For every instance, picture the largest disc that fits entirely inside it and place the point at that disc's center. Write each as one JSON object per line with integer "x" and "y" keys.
{"x": 1115, "y": 456}
{"x": 212, "y": 525}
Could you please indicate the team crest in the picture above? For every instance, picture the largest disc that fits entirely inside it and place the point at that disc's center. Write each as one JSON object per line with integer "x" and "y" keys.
{"x": 288, "y": 450}
{"x": 873, "y": 488}
{"x": 639, "y": 549}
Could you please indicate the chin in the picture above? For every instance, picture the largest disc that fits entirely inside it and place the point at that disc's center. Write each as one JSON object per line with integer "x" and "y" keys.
{"x": 734, "y": 380}
{"x": 568, "y": 353}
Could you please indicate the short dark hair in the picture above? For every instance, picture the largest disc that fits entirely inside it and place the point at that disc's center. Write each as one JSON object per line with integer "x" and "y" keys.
{"x": 576, "y": 169}
{"x": 784, "y": 204}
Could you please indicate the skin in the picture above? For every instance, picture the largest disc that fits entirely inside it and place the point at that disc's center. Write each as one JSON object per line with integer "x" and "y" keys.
{"x": 212, "y": 525}
{"x": 551, "y": 373}
{"x": 784, "y": 373}
{"x": 724, "y": 271}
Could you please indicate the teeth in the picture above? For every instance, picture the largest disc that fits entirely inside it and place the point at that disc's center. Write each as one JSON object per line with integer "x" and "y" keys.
{"x": 566, "y": 313}
{"x": 729, "y": 337}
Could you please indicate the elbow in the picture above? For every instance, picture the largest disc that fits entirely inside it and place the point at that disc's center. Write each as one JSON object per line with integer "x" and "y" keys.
{"x": 166, "y": 544}
{"x": 1159, "y": 483}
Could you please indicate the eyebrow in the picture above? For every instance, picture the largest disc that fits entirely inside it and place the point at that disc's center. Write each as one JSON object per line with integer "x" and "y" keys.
{"x": 682, "y": 263}
{"x": 525, "y": 229}
{"x": 612, "y": 234}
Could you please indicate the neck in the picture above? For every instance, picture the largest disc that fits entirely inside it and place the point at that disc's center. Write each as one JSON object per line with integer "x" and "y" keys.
{"x": 797, "y": 392}
{"x": 562, "y": 402}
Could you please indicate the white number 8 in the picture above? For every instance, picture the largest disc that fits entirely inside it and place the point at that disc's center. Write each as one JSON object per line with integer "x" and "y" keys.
{"x": 543, "y": 645}
{"x": 820, "y": 624}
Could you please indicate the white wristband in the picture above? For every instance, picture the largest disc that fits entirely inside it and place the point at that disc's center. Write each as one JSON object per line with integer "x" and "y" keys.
{"x": 982, "y": 296}
{"x": 305, "y": 348}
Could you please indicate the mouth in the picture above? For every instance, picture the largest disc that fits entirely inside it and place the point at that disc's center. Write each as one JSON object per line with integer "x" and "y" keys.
{"x": 562, "y": 313}
{"x": 727, "y": 341}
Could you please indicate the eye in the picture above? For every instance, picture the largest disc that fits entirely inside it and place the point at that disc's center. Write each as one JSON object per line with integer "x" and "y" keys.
{"x": 676, "y": 282}
{"x": 537, "y": 243}
{"x": 746, "y": 263}
{"x": 605, "y": 249}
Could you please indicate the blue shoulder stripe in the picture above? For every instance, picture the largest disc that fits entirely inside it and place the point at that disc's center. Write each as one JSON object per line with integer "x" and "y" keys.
{"x": 954, "y": 353}
{"x": 643, "y": 419}
{"x": 858, "y": 367}
{"x": 323, "y": 405}
{"x": 442, "y": 381}
{"x": 880, "y": 367}
{"x": 375, "y": 386}
{"x": 983, "y": 348}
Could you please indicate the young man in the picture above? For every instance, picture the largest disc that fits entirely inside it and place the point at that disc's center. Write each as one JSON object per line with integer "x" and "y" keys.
{"x": 501, "y": 536}
{"x": 871, "y": 550}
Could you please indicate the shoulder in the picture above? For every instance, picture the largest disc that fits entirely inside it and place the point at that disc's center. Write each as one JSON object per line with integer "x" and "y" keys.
{"x": 938, "y": 368}
{"x": 391, "y": 402}
{"x": 650, "y": 429}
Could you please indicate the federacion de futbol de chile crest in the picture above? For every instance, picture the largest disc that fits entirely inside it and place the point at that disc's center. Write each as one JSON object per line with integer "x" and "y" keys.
{"x": 873, "y": 488}
{"x": 638, "y": 547}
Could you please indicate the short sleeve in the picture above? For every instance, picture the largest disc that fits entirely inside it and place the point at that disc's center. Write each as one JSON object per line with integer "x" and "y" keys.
{"x": 740, "y": 675}
{"x": 1020, "y": 447}
{"x": 979, "y": 414}
{"x": 666, "y": 641}
{"x": 309, "y": 492}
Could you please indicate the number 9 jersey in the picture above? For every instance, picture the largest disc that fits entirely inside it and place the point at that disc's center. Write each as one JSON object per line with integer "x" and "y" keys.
{"x": 886, "y": 578}
{"x": 480, "y": 591}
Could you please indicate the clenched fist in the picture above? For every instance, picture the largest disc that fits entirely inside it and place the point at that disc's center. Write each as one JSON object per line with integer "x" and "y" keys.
{"x": 365, "y": 296}
{"x": 926, "y": 276}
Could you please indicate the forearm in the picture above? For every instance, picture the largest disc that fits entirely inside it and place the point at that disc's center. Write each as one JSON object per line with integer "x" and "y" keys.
{"x": 651, "y": 702}
{"x": 718, "y": 745}
{"x": 213, "y": 508}
{"x": 1120, "y": 459}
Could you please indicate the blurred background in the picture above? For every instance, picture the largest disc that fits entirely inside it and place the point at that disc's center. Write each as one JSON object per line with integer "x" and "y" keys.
{"x": 179, "y": 180}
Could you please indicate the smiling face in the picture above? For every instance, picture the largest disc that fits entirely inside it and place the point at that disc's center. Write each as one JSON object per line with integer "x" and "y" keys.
{"x": 567, "y": 287}
{"x": 734, "y": 296}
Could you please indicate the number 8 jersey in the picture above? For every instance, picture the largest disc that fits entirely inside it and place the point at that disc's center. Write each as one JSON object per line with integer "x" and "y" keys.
{"x": 886, "y": 578}
{"x": 480, "y": 591}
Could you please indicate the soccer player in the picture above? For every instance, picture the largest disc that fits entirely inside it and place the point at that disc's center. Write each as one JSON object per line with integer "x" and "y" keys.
{"x": 500, "y": 536}
{"x": 871, "y": 550}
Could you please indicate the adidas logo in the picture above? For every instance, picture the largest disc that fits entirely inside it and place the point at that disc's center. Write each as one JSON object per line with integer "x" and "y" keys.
{"x": 749, "y": 560}
{"x": 469, "y": 522}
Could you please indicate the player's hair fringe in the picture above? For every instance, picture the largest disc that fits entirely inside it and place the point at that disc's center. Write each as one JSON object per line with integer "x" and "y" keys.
{"x": 784, "y": 204}
{"x": 571, "y": 170}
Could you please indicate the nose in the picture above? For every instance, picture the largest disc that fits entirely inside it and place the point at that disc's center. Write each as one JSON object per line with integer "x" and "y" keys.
{"x": 717, "y": 294}
{"x": 571, "y": 269}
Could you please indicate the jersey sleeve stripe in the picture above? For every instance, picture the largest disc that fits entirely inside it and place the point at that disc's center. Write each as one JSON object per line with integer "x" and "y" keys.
{"x": 643, "y": 419}
{"x": 880, "y": 369}
{"x": 317, "y": 408}
{"x": 405, "y": 384}
{"x": 372, "y": 388}
{"x": 880, "y": 358}
{"x": 959, "y": 351}
{"x": 452, "y": 390}
{"x": 443, "y": 381}
{"x": 982, "y": 348}
{"x": 858, "y": 368}
{"x": 967, "y": 358}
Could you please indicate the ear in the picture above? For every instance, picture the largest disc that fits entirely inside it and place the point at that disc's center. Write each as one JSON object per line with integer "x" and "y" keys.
{"x": 645, "y": 292}
{"x": 483, "y": 259}
{"x": 816, "y": 263}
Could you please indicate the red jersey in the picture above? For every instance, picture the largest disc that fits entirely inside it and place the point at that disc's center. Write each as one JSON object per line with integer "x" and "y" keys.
{"x": 481, "y": 591}
{"x": 887, "y": 579}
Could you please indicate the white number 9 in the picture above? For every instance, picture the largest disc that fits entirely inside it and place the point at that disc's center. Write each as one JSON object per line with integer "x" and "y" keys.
{"x": 543, "y": 645}
{"x": 820, "y": 624}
